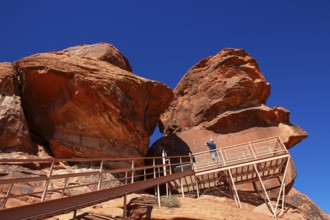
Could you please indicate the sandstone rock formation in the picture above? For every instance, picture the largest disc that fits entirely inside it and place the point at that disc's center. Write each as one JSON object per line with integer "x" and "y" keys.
{"x": 14, "y": 133}
{"x": 101, "y": 51}
{"x": 305, "y": 205}
{"x": 228, "y": 81}
{"x": 85, "y": 107}
{"x": 223, "y": 97}
{"x": 226, "y": 94}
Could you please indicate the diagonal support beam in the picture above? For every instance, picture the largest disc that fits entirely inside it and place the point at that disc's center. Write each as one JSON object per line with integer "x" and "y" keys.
{"x": 265, "y": 191}
{"x": 282, "y": 189}
{"x": 238, "y": 202}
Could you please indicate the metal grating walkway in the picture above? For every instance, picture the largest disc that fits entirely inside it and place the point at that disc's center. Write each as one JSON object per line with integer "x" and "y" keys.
{"x": 249, "y": 162}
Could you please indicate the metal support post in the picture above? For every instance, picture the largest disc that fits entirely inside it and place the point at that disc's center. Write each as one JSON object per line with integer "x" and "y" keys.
{"x": 283, "y": 185}
{"x": 265, "y": 191}
{"x": 197, "y": 187}
{"x": 223, "y": 159}
{"x": 182, "y": 192}
{"x": 100, "y": 176}
{"x": 132, "y": 179}
{"x": 125, "y": 206}
{"x": 7, "y": 195}
{"x": 65, "y": 183}
{"x": 47, "y": 182}
{"x": 158, "y": 195}
{"x": 235, "y": 190}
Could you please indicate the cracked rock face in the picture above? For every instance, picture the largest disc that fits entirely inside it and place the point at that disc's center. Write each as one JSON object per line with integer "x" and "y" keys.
{"x": 85, "y": 107}
{"x": 14, "y": 132}
{"x": 226, "y": 94}
{"x": 223, "y": 97}
{"x": 227, "y": 81}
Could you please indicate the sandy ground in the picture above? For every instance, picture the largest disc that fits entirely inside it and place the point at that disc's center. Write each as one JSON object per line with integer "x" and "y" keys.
{"x": 144, "y": 206}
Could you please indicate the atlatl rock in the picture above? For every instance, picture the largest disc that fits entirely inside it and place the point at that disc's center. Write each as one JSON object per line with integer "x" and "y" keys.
{"x": 84, "y": 107}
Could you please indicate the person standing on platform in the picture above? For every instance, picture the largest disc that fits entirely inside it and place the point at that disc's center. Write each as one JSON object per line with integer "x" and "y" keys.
{"x": 212, "y": 146}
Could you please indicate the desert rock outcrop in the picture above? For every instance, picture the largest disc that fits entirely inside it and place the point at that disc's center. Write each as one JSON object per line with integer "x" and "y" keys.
{"x": 14, "y": 132}
{"x": 84, "y": 107}
{"x": 101, "y": 51}
{"x": 228, "y": 81}
{"x": 223, "y": 97}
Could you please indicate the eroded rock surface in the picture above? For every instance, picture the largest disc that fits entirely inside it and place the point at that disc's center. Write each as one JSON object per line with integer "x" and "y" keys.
{"x": 14, "y": 132}
{"x": 84, "y": 107}
{"x": 230, "y": 80}
{"x": 101, "y": 51}
{"x": 223, "y": 97}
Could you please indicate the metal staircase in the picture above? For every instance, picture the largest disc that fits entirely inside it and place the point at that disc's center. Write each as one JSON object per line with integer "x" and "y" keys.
{"x": 253, "y": 162}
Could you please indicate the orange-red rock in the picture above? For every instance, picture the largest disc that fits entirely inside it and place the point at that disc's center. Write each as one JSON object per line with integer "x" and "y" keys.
{"x": 14, "y": 133}
{"x": 85, "y": 107}
{"x": 101, "y": 51}
{"x": 222, "y": 97}
{"x": 227, "y": 81}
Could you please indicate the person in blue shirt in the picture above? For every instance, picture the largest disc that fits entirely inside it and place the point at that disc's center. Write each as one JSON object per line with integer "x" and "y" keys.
{"x": 212, "y": 146}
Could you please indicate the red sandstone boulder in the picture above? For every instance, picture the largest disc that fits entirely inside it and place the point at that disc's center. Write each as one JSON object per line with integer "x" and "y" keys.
{"x": 222, "y": 97}
{"x": 14, "y": 132}
{"x": 226, "y": 94}
{"x": 101, "y": 51}
{"x": 85, "y": 107}
{"x": 227, "y": 81}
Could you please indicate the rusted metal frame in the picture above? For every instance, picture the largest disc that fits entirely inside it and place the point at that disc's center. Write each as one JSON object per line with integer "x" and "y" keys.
{"x": 7, "y": 196}
{"x": 265, "y": 191}
{"x": 282, "y": 185}
{"x": 47, "y": 182}
{"x": 100, "y": 175}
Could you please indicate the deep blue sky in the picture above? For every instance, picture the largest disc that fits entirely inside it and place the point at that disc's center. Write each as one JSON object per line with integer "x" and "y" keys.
{"x": 163, "y": 39}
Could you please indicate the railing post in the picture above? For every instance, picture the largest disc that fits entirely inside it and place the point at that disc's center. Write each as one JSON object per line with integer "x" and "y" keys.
{"x": 65, "y": 182}
{"x": 223, "y": 159}
{"x": 252, "y": 150}
{"x": 7, "y": 195}
{"x": 182, "y": 192}
{"x": 132, "y": 180}
{"x": 100, "y": 176}
{"x": 47, "y": 182}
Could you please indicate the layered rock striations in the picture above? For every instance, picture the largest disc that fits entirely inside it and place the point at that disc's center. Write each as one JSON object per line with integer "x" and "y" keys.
{"x": 226, "y": 94}
{"x": 83, "y": 101}
{"x": 14, "y": 132}
{"x": 85, "y": 107}
{"x": 223, "y": 97}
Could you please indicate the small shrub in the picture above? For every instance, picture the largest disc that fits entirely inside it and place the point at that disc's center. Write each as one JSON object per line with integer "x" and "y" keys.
{"x": 170, "y": 202}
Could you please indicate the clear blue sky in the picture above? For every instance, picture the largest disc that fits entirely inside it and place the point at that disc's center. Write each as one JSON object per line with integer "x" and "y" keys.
{"x": 163, "y": 39}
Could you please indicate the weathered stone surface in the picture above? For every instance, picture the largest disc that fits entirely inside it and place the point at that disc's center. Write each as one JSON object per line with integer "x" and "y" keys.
{"x": 227, "y": 81}
{"x": 222, "y": 97}
{"x": 14, "y": 133}
{"x": 89, "y": 108}
{"x": 101, "y": 51}
{"x": 305, "y": 204}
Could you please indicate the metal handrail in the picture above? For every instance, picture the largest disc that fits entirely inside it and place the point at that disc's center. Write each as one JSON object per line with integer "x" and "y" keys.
{"x": 132, "y": 174}
{"x": 240, "y": 153}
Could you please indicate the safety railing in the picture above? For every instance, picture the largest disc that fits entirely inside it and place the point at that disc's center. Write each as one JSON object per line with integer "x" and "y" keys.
{"x": 64, "y": 177}
{"x": 241, "y": 153}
